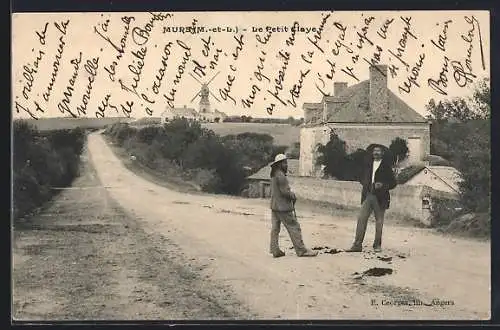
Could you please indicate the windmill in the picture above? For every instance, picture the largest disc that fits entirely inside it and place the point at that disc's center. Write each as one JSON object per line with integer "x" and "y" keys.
{"x": 204, "y": 93}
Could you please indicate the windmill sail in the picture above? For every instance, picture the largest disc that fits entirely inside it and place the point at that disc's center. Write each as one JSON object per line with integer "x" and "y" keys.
{"x": 195, "y": 96}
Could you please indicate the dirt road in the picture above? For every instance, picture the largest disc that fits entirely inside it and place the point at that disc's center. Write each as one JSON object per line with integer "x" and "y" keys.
{"x": 226, "y": 239}
{"x": 84, "y": 258}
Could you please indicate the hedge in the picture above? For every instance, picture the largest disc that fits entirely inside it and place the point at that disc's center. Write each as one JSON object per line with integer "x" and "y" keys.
{"x": 42, "y": 161}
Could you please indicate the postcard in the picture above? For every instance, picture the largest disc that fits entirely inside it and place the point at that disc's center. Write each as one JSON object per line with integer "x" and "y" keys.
{"x": 288, "y": 165}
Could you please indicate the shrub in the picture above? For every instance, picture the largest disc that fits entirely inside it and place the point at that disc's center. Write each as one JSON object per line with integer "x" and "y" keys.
{"x": 474, "y": 164}
{"x": 333, "y": 156}
{"x": 443, "y": 211}
{"x": 255, "y": 150}
{"x": 124, "y": 133}
{"x": 471, "y": 224}
{"x": 120, "y": 132}
{"x": 149, "y": 133}
{"x": 354, "y": 165}
{"x": 207, "y": 180}
{"x": 214, "y": 163}
{"x": 23, "y": 136}
{"x": 398, "y": 150}
{"x": 73, "y": 139}
{"x": 349, "y": 167}
{"x": 202, "y": 153}
{"x": 230, "y": 171}
{"x": 177, "y": 135}
{"x": 210, "y": 154}
{"x": 41, "y": 162}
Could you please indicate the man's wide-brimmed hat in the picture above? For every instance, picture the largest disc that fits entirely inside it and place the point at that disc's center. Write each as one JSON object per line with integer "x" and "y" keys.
{"x": 278, "y": 159}
{"x": 376, "y": 145}
{"x": 387, "y": 155}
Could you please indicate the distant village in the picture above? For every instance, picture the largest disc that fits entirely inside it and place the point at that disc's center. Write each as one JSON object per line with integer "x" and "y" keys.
{"x": 203, "y": 115}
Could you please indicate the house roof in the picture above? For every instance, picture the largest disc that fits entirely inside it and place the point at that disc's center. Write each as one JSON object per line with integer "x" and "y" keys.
{"x": 352, "y": 105}
{"x": 409, "y": 172}
{"x": 181, "y": 111}
{"x": 220, "y": 112}
{"x": 265, "y": 172}
{"x": 449, "y": 175}
{"x": 312, "y": 106}
{"x": 435, "y": 160}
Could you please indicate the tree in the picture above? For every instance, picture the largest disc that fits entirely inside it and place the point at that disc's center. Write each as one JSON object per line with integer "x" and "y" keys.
{"x": 177, "y": 135}
{"x": 460, "y": 132}
{"x": 459, "y": 109}
{"x": 481, "y": 99}
{"x": 437, "y": 112}
{"x": 23, "y": 136}
{"x": 333, "y": 156}
{"x": 399, "y": 150}
{"x": 355, "y": 165}
{"x": 255, "y": 150}
{"x": 473, "y": 160}
{"x": 246, "y": 119}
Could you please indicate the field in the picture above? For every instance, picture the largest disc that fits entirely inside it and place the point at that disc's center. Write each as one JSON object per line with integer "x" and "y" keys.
{"x": 47, "y": 124}
{"x": 283, "y": 134}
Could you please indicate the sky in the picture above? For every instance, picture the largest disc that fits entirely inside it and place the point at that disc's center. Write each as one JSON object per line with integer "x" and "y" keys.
{"x": 259, "y": 64}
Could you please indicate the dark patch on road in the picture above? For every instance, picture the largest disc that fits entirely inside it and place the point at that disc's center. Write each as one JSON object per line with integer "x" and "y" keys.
{"x": 378, "y": 271}
{"x": 384, "y": 258}
{"x": 326, "y": 249}
{"x": 234, "y": 212}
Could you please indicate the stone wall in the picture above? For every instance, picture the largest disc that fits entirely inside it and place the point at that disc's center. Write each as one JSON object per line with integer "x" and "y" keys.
{"x": 358, "y": 136}
{"x": 309, "y": 138}
{"x": 406, "y": 201}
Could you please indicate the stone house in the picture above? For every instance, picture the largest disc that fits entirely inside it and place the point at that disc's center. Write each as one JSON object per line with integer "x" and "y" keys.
{"x": 184, "y": 112}
{"x": 361, "y": 114}
{"x": 212, "y": 117}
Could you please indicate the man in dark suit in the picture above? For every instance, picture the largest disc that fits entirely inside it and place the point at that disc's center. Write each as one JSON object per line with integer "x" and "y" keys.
{"x": 283, "y": 211}
{"x": 377, "y": 179}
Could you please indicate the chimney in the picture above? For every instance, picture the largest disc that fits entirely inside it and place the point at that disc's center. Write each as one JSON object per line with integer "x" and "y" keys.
{"x": 379, "y": 93}
{"x": 338, "y": 87}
